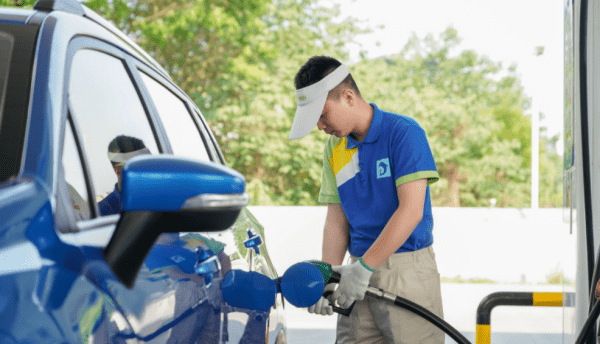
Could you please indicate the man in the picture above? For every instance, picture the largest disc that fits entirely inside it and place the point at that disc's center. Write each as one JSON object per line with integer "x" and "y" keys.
{"x": 120, "y": 150}
{"x": 376, "y": 170}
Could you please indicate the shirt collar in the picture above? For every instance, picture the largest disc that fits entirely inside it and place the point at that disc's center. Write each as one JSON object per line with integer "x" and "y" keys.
{"x": 374, "y": 129}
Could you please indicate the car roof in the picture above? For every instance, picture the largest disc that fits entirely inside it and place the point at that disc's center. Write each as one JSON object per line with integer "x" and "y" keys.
{"x": 110, "y": 27}
{"x": 22, "y": 16}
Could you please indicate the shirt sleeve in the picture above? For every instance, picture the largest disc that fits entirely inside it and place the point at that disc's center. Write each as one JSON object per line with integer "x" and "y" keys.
{"x": 329, "y": 192}
{"x": 105, "y": 206}
{"x": 412, "y": 157}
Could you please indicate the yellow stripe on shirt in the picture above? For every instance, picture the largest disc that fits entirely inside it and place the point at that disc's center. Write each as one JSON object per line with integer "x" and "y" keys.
{"x": 344, "y": 162}
{"x": 341, "y": 156}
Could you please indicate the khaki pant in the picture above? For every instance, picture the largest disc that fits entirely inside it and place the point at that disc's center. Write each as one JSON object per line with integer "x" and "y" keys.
{"x": 411, "y": 275}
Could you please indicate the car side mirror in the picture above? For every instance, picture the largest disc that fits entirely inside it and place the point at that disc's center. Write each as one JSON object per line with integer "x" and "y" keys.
{"x": 163, "y": 193}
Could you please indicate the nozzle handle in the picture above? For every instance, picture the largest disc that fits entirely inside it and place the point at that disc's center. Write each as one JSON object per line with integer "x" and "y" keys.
{"x": 329, "y": 276}
{"x": 345, "y": 312}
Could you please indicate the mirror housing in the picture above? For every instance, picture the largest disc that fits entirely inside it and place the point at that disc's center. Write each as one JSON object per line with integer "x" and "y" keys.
{"x": 163, "y": 193}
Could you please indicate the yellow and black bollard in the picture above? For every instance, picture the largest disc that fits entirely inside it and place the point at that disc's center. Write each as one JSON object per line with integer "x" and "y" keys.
{"x": 483, "y": 333}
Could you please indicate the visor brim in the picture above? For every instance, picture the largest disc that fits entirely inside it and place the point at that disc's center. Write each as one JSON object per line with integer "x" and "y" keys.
{"x": 306, "y": 117}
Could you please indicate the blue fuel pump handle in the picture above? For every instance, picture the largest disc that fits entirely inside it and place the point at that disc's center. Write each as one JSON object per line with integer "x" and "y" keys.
{"x": 331, "y": 276}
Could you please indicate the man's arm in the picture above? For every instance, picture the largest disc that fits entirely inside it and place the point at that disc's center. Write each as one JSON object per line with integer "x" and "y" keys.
{"x": 411, "y": 199}
{"x": 335, "y": 235}
{"x": 335, "y": 243}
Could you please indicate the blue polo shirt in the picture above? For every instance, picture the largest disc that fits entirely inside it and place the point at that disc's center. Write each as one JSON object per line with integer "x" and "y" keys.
{"x": 111, "y": 204}
{"x": 363, "y": 177}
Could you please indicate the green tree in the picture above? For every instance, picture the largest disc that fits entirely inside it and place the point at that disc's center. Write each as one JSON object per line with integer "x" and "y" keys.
{"x": 18, "y": 3}
{"x": 237, "y": 61}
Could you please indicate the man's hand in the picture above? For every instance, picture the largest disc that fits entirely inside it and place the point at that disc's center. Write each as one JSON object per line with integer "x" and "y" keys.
{"x": 353, "y": 283}
{"x": 323, "y": 306}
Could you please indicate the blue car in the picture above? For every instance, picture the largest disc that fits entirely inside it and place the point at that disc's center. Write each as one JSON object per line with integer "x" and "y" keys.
{"x": 101, "y": 242}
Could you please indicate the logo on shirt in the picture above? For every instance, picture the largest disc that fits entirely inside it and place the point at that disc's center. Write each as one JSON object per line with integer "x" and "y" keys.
{"x": 383, "y": 168}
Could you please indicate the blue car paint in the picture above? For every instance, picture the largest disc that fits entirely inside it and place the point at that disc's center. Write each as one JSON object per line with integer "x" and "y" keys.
{"x": 39, "y": 161}
{"x": 184, "y": 178}
{"x": 66, "y": 263}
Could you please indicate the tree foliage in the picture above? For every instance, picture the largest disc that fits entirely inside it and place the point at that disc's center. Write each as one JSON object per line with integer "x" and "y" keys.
{"x": 17, "y": 3}
{"x": 214, "y": 49}
{"x": 237, "y": 60}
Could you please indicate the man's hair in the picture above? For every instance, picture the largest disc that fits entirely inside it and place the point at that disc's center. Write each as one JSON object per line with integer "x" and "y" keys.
{"x": 318, "y": 67}
{"x": 125, "y": 144}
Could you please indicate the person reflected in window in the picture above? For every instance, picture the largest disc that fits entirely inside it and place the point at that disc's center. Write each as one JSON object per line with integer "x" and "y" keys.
{"x": 120, "y": 150}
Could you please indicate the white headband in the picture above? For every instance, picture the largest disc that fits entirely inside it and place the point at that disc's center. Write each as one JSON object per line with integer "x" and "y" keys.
{"x": 311, "y": 100}
{"x": 122, "y": 158}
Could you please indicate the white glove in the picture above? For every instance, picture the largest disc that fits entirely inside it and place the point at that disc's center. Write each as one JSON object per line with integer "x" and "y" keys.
{"x": 353, "y": 283}
{"x": 323, "y": 306}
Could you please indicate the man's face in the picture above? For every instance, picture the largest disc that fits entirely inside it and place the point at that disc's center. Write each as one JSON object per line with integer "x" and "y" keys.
{"x": 118, "y": 171}
{"x": 334, "y": 119}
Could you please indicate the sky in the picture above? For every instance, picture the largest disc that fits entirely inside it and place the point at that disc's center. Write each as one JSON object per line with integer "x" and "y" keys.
{"x": 506, "y": 31}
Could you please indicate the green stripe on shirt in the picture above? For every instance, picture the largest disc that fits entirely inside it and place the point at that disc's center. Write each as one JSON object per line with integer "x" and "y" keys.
{"x": 432, "y": 177}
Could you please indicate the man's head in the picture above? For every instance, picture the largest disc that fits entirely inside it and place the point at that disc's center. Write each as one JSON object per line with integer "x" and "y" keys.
{"x": 320, "y": 80}
{"x": 121, "y": 149}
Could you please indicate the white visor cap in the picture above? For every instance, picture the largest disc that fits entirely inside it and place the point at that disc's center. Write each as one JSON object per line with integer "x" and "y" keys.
{"x": 311, "y": 100}
{"x": 122, "y": 158}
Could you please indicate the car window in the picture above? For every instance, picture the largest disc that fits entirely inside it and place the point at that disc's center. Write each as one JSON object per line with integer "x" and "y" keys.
{"x": 74, "y": 176}
{"x": 105, "y": 105}
{"x": 181, "y": 129}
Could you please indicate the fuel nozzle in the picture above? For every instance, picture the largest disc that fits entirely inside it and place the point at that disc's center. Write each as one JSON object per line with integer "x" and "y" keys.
{"x": 303, "y": 284}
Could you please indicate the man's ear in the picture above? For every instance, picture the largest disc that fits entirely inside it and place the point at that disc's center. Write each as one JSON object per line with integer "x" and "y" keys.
{"x": 348, "y": 97}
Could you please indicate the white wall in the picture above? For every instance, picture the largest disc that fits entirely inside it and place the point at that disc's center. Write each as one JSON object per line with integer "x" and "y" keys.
{"x": 502, "y": 244}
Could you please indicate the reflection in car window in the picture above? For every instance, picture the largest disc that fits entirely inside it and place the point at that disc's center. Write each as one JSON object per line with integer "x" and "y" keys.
{"x": 74, "y": 177}
{"x": 105, "y": 104}
{"x": 180, "y": 127}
